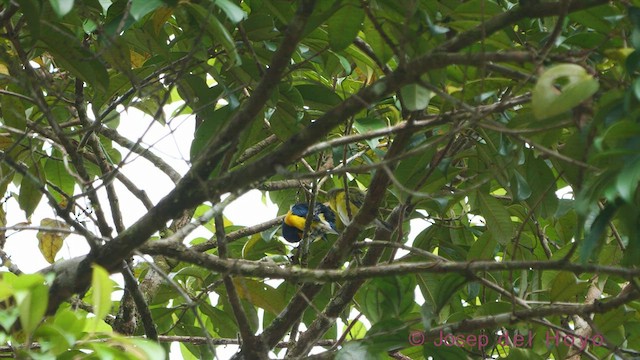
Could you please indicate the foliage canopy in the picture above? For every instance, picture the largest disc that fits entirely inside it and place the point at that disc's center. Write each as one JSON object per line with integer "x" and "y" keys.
{"x": 506, "y": 128}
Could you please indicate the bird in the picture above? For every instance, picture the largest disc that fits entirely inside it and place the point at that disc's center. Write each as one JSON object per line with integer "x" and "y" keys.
{"x": 337, "y": 201}
{"x": 323, "y": 222}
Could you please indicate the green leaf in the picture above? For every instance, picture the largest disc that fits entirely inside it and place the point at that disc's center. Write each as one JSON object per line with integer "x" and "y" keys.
{"x": 72, "y": 56}
{"x": 202, "y": 98}
{"x": 318, "y": 97}
{"x": 259, "y": 27}
{"x": 32, "y": 306}
{"x": 438, "y": 289}
{"x": 233, "y": 11}
{"x": 478, "y": 9}
{"x": 285, "y": 121}
{"x": 634, "y": 16}
{"x": 101, "y": 289}
{"x": 344, "y": 26}
{"x": 596, "y": 231}
{"x": 32, "y": 10}
{"x": 58, "y": 339}
{"x": 389, "y": 297}
{"x": 258, "y": 248}
{"x": 410, "y": 171}
{"x": 367, "y": 124}
{"x": 188, "y": 352}
{"x": 32, "y": 298}
{"x": 6, "y": 290}
{"x": 377, "y": 43}
{"x": 632, "y": 222}
{"x": 356, "y": 350}
{"x": 387, "y": 335}
{"x": 208, "y": 129}
{"x": 627, "y": 180}
{"x": 632, "y": 61}
{"x": 140, "y": 8}
{"x": 566, "y": 287}
{"x": 13, "y": 111}
{"x": 8, "y": 317}
{"x": 441, "y": 352}
{"x": 216, "y": 30}
{"x": 346, "y": 66}
{"x": 222, "y": 322}
{"x": 498, "y": 219}
{"x": 357, "y": 331}
{"x": 520, "y": 353}
{"x": 25, "y": 281}
{"x": 119, "y": 83}
{"x": 542, "y": 183}
{"x": 31, "y": 189}
{"x": 151, "y": 349}
{"x": 61, "y": 7}
{"x": 636, "y": 88}
{"x": 520, "y": 187}
{"x": 595, "y": 18}
{"x": 484, "y": 248}
{"x": 611, "y": 320}
{"x": 561, "y": 88}
{"x": 415, "y": 97}
{"x": 59, "y": 176}
{"x": 73, "y": 322}
{"x": 260, "y": 294}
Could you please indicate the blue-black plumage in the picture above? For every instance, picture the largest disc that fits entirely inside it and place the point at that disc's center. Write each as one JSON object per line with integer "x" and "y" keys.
{"x": 323, "y": 222}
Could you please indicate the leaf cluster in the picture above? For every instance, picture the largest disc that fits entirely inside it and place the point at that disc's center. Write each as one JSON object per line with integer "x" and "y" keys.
{"x": 492, "y": 131}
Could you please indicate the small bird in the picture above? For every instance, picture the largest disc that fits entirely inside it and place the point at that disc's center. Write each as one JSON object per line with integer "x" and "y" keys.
{"x": 337, "y": 202}
{"x": 324, "y": 222}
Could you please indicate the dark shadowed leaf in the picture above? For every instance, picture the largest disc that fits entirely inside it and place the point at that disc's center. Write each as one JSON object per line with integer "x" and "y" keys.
{"x": 31, "y": 189}
{"x": 344, "y": 25}
{"x": 415, "y": 97}
{"x": 498, "y": 220}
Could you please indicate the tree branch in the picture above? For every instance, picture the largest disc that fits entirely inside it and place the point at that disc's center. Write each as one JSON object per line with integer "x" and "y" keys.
{"x": 193, "y": 189}
{"x": 268, "y": 271}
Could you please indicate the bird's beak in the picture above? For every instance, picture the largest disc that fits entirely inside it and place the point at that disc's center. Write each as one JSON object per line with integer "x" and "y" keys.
{"x": 327, "y": 227}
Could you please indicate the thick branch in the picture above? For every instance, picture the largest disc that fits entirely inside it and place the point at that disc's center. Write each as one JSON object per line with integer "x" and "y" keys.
{"x": 498, "y": 22}
{"x": 268, "y": 271}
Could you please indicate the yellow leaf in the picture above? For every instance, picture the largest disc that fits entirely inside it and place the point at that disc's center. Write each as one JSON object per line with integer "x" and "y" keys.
{"x": 137, "y": 59}
{"x": 49, "y": 240}
{"x": 619, "y": 54}
{"x": 39, "y": 60}
{"x": 5, "y": 139}
{"x": 260, "y": 294}
{"x": 160, "y": 17}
